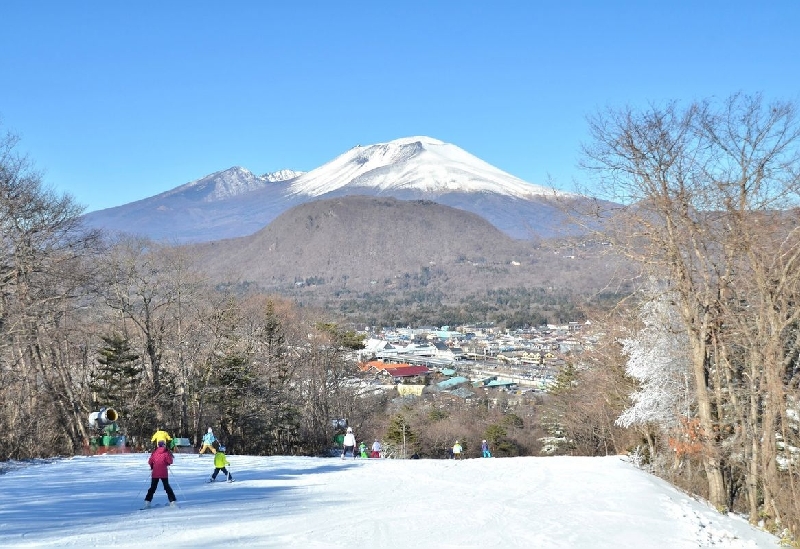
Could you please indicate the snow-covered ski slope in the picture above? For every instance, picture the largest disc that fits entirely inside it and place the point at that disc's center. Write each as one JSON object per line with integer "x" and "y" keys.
{"x": 295, "y": 502}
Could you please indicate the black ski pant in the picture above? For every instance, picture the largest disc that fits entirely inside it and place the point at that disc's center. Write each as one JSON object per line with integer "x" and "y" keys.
{"x": 154, "y": 485}
{"x": 217, "y": 470}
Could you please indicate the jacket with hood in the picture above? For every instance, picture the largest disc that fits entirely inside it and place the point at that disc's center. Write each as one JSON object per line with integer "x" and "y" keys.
{"x": 159, "y": 461}
{"x": 220, "y": 460}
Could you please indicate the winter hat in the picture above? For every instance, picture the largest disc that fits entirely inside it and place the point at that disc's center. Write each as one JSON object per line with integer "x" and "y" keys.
{"x": 209, "y": 430}
{"x": 349, "y": 429}
{"x": 221, "y": 448}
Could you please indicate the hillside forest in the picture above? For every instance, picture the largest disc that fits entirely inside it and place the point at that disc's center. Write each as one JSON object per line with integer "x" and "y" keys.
{"x": 695, "y": 373}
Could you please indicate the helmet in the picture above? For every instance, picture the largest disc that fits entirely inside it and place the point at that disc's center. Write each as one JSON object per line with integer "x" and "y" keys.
{"x": 349, "y": 429}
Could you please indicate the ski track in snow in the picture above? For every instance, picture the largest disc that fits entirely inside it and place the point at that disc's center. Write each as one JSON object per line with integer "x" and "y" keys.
{"x": 293, "y": 502}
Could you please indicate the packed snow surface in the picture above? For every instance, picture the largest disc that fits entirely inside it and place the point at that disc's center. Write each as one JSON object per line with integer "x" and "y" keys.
{"x": 299, "y": 502}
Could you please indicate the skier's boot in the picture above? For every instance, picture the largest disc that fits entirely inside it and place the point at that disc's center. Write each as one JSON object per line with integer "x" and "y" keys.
{"x": 173, "y": 503}
{"x": 146, "y": 505}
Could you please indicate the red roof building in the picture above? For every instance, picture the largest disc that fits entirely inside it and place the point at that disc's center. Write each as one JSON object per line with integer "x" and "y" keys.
{"x": 407, "y": 371}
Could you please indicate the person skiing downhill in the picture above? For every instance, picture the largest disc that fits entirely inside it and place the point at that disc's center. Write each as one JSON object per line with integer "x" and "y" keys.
{"x": 159, "y": 462}
{"x": 208, "y": 442}
{"x": 220, "y": 462}
{"x": 349, "y": 443}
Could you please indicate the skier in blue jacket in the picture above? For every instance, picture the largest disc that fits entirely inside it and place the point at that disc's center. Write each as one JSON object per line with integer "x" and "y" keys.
{"x": 208, "y": 442}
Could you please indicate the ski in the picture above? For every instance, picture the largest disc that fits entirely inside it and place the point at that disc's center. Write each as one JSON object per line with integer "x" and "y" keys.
{"x": 158, "y": 506}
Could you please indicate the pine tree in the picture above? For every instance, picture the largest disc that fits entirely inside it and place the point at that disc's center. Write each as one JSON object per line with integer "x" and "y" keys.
{"x": 400, "y": 434}
{"x": 114, "y": 382}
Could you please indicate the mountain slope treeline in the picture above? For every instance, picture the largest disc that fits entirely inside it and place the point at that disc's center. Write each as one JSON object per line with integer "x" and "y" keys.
{"x": 392, "y": 256}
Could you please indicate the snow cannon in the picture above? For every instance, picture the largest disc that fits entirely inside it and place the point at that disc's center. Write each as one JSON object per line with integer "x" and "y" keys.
{"x": 103, "y": 417}
{"x": 105, "y": 436}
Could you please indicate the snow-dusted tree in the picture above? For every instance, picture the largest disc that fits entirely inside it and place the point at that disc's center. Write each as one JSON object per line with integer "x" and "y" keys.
{"x": 706, "y": 197}
{"x": 658, "y": 358}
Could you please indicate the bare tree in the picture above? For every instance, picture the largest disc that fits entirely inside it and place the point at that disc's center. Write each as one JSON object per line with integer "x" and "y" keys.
{"x": 153, "y": 292}
{"x": 45, "y": 272}
{"x": 706, "y": 202}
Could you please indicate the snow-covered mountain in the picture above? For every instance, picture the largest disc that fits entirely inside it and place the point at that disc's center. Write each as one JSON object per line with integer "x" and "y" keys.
{"x": 419, "y": 164}
{"x": 229, "y": 183}
{"x": 235, "y": 202}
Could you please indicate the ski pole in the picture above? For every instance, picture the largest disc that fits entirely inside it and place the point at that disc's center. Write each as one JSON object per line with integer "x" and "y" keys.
{"x": 139, "y": 493}
{"x": 178, "y": 483}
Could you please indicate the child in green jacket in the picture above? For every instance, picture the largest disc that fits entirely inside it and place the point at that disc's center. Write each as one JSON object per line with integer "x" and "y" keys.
{"x": 220, "y": 461}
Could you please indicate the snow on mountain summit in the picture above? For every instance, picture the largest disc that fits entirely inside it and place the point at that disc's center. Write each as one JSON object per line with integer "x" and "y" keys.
{"x": 413, "y": 163}
{"x": 232, "y": 182}
{"x": 281, "y": 175}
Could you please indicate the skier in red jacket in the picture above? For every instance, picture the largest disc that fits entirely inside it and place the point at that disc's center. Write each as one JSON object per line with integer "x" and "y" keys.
{"x": 159, "y": 461}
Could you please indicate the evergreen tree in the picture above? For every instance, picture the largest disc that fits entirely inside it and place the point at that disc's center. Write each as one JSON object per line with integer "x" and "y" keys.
{"x": 400, "y": 434}
{"x": 115, "y": 380}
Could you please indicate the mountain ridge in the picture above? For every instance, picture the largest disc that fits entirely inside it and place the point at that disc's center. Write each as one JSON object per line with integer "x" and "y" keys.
{"x": 354, "y": 245}
{"x": 235, "y": 202}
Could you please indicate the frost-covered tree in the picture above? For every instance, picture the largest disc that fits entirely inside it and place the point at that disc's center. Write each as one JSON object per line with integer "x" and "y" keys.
{"x": 706, "y": 196}
{"x": 658, "y": 359}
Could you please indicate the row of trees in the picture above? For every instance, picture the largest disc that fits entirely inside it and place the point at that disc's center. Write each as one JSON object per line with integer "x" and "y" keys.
{"x": 706, "y": 202}
{"x": 86, "y": 323}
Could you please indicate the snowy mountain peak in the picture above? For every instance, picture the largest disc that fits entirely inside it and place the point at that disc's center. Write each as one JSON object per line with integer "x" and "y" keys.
{"x": 231, "y": 182}
{"x": 281, "y": 175}
{"x": 421, "y": 164}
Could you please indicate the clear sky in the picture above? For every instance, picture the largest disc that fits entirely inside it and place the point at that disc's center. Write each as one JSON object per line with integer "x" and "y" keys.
{"x": 118, "y": 101}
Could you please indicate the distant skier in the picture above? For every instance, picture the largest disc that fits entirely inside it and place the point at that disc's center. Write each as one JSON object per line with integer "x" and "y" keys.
{"x": 485, "y": 449}
{"x": 376, "y": 449}
{"x": 159, "y": 462}
{"x": 349, "y": 443}
{"x": 208, "y": 442}
{"x": 161, "y": 436}
{"x": 220, "y": 462}
{"x": 457, "y": 449}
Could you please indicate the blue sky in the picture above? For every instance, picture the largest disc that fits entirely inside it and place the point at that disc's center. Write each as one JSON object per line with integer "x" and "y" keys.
{"x": 118, "y": 101}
